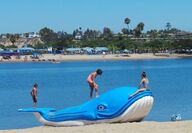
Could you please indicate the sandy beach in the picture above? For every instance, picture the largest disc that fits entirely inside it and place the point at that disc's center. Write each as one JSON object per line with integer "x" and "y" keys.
{"x": 142, "y": 127}
{"x": 59, "y": 57}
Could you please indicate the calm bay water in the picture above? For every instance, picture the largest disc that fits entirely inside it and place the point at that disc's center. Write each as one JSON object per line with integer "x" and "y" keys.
{"x": 64, "y": 85}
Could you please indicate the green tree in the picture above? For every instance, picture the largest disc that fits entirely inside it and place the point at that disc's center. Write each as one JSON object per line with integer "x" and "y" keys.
{"x": 153, "y": 33}
{"x": 139, "y": 29}
{"x": 168, "y": 26}
{"x": 107, "y": 33}
{"x": 17, "y": 36}
{"x": 125, "y": 31}
{"x": 127, "y": 21}
{"x": 182, "y": 44}
{"x": 13, "y": 39}
{"x": 141, "y": 26}
{"x": 8, "y": 35}
{"x": 2, "y": 46}
{"x": 156, "y": 45}
{"x": 48, "y": 36}
{"x": 26, "y": 35}
{"x": 11, "y": 46}
{"x": 91, "y": 34}
{"x": 39, "y": 46}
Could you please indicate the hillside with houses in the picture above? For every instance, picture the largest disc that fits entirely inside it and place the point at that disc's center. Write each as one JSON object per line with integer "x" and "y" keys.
{"x": 20, "y": 40}
{"x": 169, "y": 39}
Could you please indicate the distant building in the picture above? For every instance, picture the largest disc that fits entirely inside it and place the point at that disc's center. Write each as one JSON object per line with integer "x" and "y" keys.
{"x": 3, "y": 36}
{"x": 101, "y": 49}
{"x": 50, "y": 49}
{"x": 88, "y": 50}
{"x": 78, "y": 36}
{"x": 183, "y": 34}
{"x": 25, "y": 50}
{"x": 73, "y": 50}
{"x": 171, "y": 35}
{"x": 33, "y": 35}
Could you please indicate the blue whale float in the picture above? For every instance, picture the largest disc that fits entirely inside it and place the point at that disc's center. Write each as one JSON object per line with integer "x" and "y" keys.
{"x": 112, "y": 106}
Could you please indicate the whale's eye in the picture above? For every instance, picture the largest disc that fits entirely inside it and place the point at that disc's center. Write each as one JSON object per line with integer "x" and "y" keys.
{"x": 100, "y": 107}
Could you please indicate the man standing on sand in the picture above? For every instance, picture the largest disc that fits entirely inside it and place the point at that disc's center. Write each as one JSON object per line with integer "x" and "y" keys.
{"x": 91, "y": 82}
{"x": 34, "y": 94}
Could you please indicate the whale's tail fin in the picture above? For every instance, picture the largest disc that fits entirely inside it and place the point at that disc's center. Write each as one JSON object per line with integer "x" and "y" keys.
{"x": 40, "y": 113}
{"x": 38, "y": 110}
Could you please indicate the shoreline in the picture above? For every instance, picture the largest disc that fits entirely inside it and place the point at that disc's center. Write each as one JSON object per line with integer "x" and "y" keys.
{"x": 144, "y": 127}
{"x": 59, "y": 58}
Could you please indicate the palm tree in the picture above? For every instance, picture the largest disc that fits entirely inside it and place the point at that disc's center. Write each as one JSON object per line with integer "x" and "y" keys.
{"x": 168, "y": 26}
{"x": 127, "y": 21}
{"x": 139, "y": 29}
{"x": 80, "y": 31}
{"x": 141, "y": 26}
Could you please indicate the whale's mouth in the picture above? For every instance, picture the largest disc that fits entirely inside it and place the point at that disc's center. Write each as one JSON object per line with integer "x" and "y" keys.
{"x": 123, "y": 108}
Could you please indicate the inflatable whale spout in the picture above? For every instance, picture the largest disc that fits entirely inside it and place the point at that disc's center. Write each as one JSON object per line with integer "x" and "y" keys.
{"x": 112, "y": 106}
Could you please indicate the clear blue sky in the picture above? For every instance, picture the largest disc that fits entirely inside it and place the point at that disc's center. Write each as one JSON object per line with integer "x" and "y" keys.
{"x": 19, "y": 16}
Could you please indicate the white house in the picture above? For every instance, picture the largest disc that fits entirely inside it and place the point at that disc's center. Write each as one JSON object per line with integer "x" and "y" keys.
{"x": 33, "y": 35}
